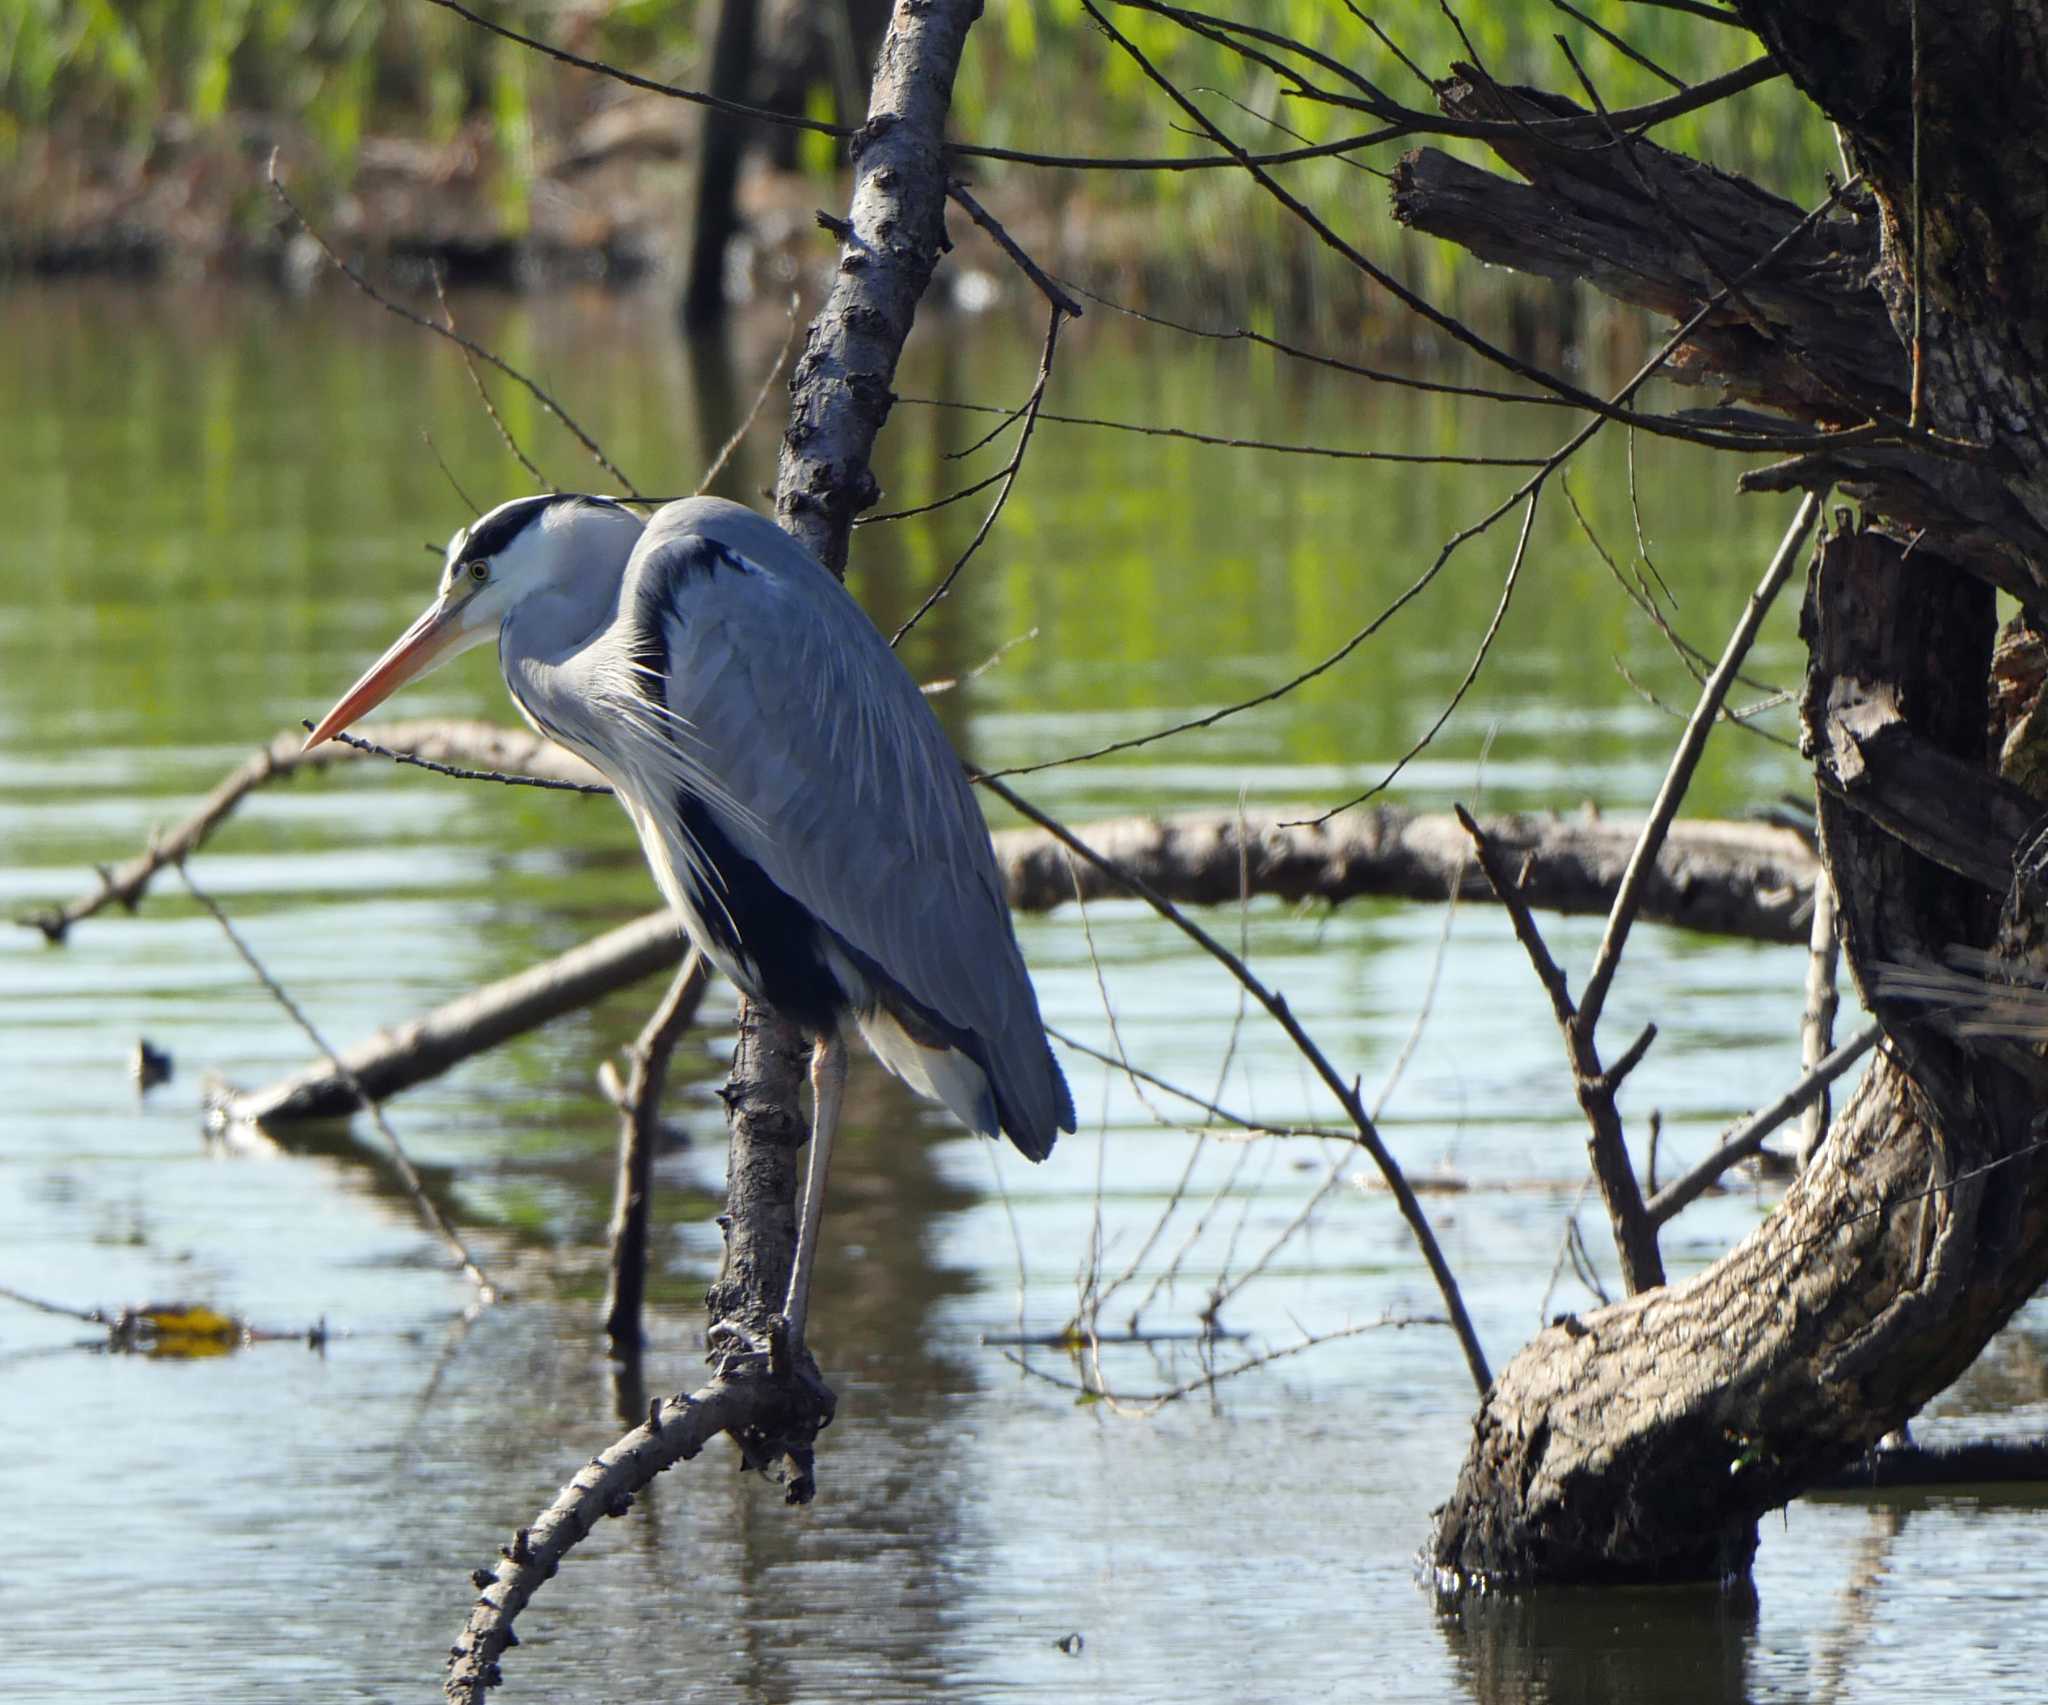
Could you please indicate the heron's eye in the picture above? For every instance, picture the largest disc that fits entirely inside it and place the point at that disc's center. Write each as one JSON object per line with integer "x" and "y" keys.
{"x": 479, "y": 570}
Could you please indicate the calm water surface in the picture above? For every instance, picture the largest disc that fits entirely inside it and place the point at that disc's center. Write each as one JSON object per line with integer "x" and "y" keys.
{"x": 216, "y": 509}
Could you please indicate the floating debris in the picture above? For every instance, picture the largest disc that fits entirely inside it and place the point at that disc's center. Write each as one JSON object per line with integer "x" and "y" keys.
{"x": 149, "y": 1066}
{"x": 175, "y": 1331}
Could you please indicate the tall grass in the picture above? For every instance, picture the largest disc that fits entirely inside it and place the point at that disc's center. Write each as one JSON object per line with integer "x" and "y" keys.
{"x": 1037, "y": 76}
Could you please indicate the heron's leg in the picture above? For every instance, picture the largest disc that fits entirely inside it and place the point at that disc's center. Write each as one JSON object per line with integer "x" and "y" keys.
{"x": 828, "y": 1088}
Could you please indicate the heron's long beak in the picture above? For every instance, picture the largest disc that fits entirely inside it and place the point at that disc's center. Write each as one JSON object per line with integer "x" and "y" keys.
{"x": 414, "y": 652}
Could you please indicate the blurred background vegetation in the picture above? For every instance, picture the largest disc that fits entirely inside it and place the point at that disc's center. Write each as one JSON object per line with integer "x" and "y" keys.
{"x": 130, "y": 126}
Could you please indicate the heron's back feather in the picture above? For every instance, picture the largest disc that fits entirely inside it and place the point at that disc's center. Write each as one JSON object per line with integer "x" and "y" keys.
{"x": 787, "y": 768}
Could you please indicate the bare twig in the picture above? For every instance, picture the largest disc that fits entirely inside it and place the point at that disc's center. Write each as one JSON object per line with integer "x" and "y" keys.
{"x": 1188, "y": 435}
{"x": 413, "y": 760}
{"x": 1152, "y": 1402}
{"x": 448, "y": 473}
{"x": 1583, "y": 1264}
{"x": 126, "y": 884}
{"x": 1317, "y": 358}
{"x": 483, "y": 396}
{"x": 1685, "y": 760}
{"x": 1368, "y": 1136}
{"x": 486, "y": 1292}
{"x": 1621, "y": 45}
{"x": 1556, "y": 460}
{"x": 1748, "y": 1137}
{"x": 1009, "y": 478}
{"x": 1061, "y": 301}
{"x": 1241, "y": 1121}
{"x": 1564, "y": 1251}
{"x": 1635, "y": 1237}
{"x": 738, "y": 435}
{"x": 1758, "y": 71}
{"x": 1479, "y": 656}
{"x": 1403, "y": 121}
{"x": 476, "y": 349}
{"x": 1391, "y": 45}
{"x": 1696, "y": 9}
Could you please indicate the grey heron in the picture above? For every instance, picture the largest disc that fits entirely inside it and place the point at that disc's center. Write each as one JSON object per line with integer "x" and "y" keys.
{"x": 801, "y": 808}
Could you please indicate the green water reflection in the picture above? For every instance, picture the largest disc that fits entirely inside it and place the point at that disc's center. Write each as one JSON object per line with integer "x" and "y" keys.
{"x": 219, "y": 506}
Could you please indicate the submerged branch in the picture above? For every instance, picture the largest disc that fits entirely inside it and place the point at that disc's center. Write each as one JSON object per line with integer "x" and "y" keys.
{"x": 487, "y": 1292}
{"x": 422, "y": 1048}
{"x": 510, "y": 750}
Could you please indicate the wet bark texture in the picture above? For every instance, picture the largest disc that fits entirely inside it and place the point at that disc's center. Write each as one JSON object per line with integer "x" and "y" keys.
{"x": 1642, "y": 1442}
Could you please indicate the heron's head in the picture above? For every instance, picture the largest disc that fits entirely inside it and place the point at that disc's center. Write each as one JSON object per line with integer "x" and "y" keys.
{"x": 530, "y": 545}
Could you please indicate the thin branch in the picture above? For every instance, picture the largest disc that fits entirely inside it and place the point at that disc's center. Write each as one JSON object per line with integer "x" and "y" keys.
{"x": 1009, "y": 477}
{"x": 1274, "y": 121}
{"x": 1556, "y": 460}
{"x": 946, "y": 502}
{"x": 1233, "y": 32}
{"x": 847, "y": 133}
{"x": 1404, "y": 121}
{"x": 1218, "y": 441}
{"x": 483, "y": 396}
{"x": 1155, "y": 1401}
{"x": 638, "y": 1100}
{"x": 1464, "y": 686}
{"x": 1240, "y": 1121}
{"x": 1635, "y": 1237}
{"x": 1392, "y": 46}
{"x": 448, "y": 473}
{"x": 1564, "y": 1250}
{"x": 1379, "y": 375}
{"x": 1620, "y": 45}
{"x": 1450, "y": 324}
{"x": 1696, "y": 9}
{"x": 126, "y": 884}
{"x": 1061, "y": 301}
{"x": 412, "y": 760}
{"x": 739, "y": 433}
{"x": 1368, "y": 1136}
{"x": 486, "y": 1292}
{"x": 1749, "y": 1136}
{"x": 1684, "y": 761}
{"x": 478, "y": 350}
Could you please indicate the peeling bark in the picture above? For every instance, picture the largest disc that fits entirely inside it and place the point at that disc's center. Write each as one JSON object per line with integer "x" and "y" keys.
{"x": 1641, "y": 1442}
{"x": 1820, "y": 335}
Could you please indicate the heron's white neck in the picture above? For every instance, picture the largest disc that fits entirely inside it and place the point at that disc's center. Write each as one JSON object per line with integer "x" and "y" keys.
{"x": 542, "y": 637}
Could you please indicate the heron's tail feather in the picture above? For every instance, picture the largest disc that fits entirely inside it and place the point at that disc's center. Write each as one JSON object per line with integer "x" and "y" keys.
{"x": 954, "y": 1078}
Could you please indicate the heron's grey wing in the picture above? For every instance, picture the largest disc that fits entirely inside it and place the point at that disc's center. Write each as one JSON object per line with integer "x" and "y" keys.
{"x": 833, "y": 776}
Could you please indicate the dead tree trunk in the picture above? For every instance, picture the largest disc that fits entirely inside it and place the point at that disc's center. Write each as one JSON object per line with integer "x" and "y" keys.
{"x": 1642, "y": 1442}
